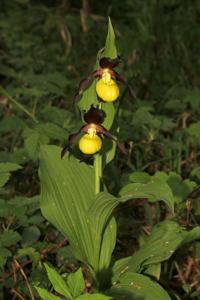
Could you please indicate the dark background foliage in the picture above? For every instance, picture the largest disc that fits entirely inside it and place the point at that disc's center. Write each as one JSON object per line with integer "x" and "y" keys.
{"x": 46, "y": 47}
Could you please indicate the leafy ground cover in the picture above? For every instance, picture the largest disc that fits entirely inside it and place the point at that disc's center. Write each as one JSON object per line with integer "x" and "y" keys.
{"x": 46, "y": 48}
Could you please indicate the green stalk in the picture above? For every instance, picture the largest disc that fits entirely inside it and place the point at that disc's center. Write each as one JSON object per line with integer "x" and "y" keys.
{"x": 19, "y": 105}
{"x": 98, "y": 169}
{"x": 98, "y": 172}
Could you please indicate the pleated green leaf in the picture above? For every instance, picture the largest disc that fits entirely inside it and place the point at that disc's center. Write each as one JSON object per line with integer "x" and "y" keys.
{"x": 102, "y": 209}
{"x": 192, "y": 235}
{"x": 154, "y": 190}
{"x": 67, "y": 192}
{"x": 138, "y": 287}
{"x": 165, "y": 238}
{"x": 103, "y": 228}
{"x": 108, "y": 244}
{"x": 68, "y": 202}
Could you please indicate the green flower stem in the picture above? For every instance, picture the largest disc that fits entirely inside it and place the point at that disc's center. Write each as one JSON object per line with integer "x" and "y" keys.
{"x": 98, "y": 169}
{"x": 20, "y": 106}
{"x": 98, "y": 172}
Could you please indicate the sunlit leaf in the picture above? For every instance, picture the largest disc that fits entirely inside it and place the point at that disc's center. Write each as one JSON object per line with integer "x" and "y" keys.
{"x": 45, "y": 295}
{"x": 67, "y": 191}
{"x": 9, "y": 167}
{"x": 76, "y": 283}
{"x": 58, "y": 282}
{"x": 103, "y": 227}
{"x": 138, "y": 287}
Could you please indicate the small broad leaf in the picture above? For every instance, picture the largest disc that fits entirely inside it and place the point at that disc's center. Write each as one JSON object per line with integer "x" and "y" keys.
{"x": 33, "y": 140}
{"x": 57, "y": 116}
{"x": 30, "y": 235}
{"x": 30, "y": 252}
{"x": 4, "y": 254}
{"x": 138, "y": 287}
{"x": 58, "y": 282}
{"x": 89, "y": 97}
{"x": 19, "y": 156}
{"x": 4, "y": 177}
{"x": 53, "y": 131}
{"x": 180, "y": 188}
{"x": 32, "y": 144}
{"x": 5, "y": 209}
{"x": 196, "y": 172}
{"x": 9, "y": 238}
{"x": 8, "y": 123}
{"x": 76, "y": 283}
{"x": 193, "y": 130}
{"x": 5, "y": 169}
{"x": 9, "y": 167}
{"x": 46, "y": 295}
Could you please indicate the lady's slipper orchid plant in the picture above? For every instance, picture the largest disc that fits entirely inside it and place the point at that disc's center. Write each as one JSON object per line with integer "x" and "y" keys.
{"x": 106, "y": 87}
{"x": 91, "y": 142}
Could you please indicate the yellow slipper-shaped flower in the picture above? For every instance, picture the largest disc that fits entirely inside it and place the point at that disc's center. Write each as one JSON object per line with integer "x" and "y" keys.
{"x": 107, "y": 91}
{"x": 90, "y": 144}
